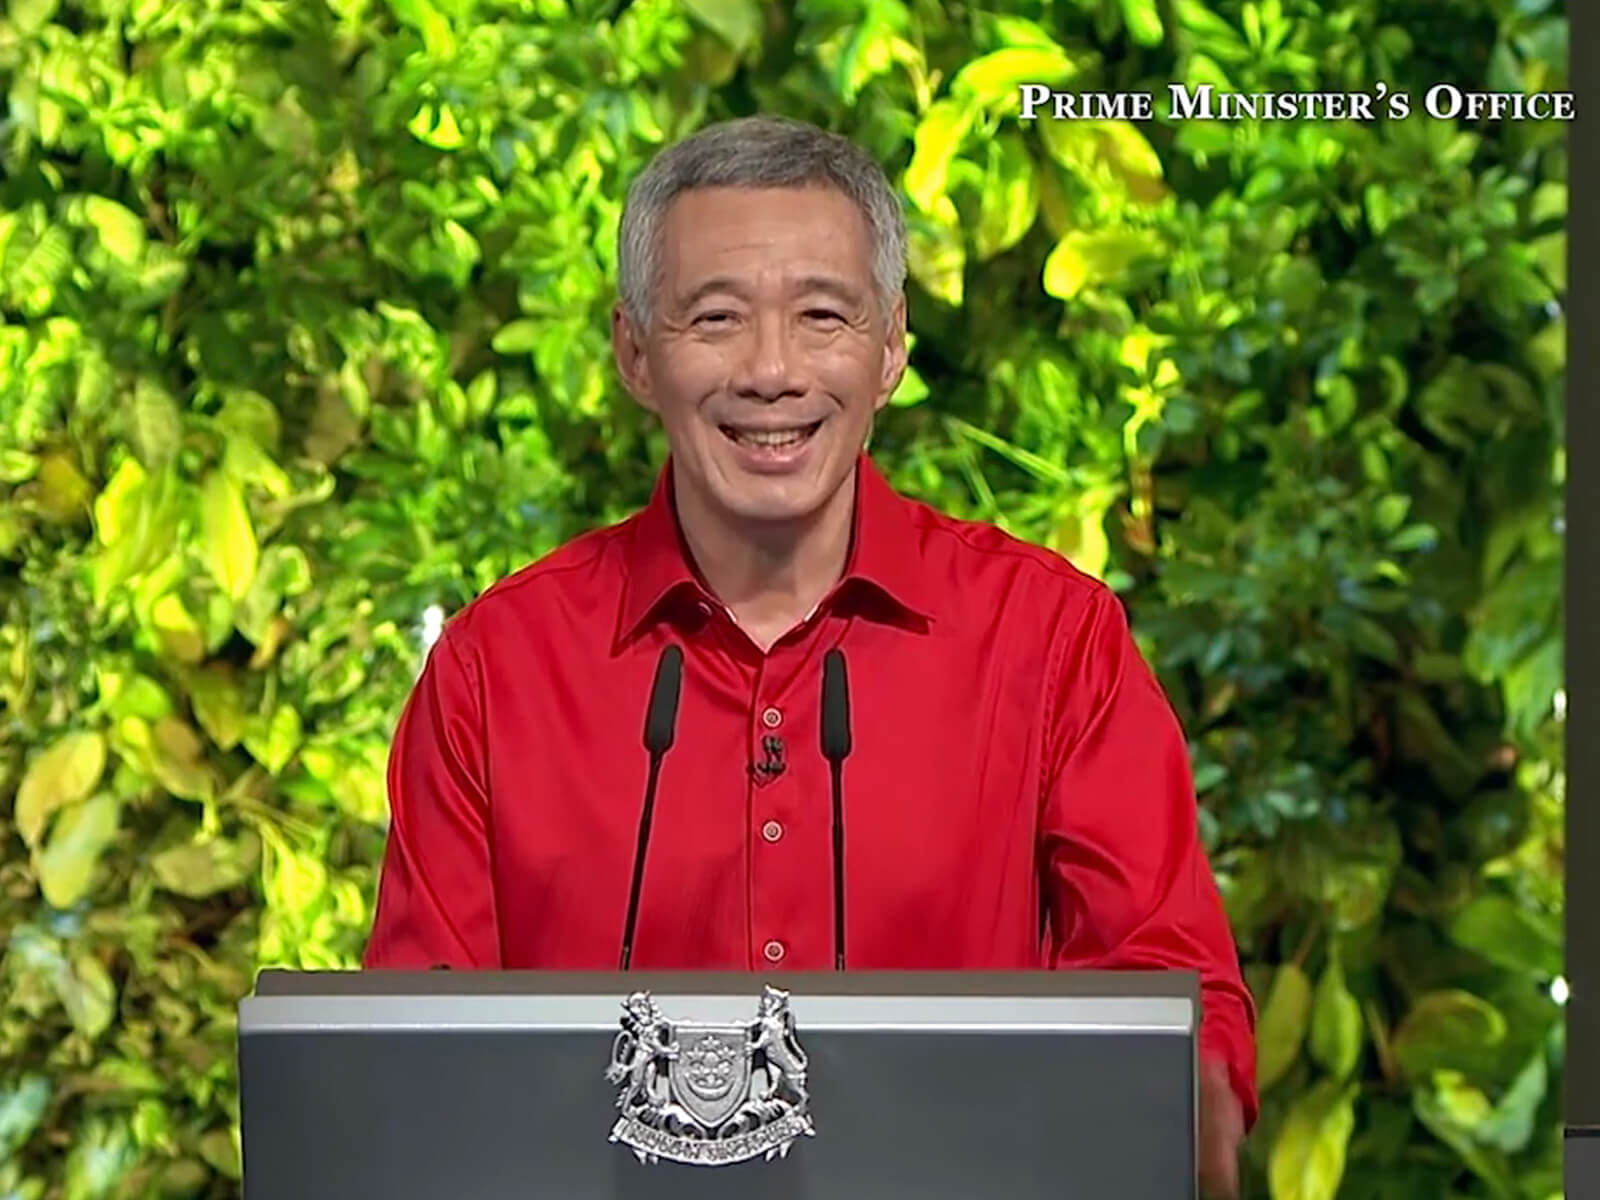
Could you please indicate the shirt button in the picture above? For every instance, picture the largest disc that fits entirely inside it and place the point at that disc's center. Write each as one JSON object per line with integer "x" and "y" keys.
{"x": 772, "y": 718}
{"x": 772, "y": 831}
{"x": 773, "y": 950}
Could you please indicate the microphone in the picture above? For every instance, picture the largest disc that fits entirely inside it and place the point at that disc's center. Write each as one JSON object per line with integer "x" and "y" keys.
{"x": 835, "y": 748}
{"x": 660, "y": 722}
{"x": 769, "y": 770}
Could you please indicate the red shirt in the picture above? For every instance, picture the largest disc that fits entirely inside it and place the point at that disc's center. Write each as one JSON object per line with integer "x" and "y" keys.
{"x": 1012, "y": 756}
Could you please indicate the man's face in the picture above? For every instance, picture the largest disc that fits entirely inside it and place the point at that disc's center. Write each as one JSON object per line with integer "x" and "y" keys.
{"x": 768, "y": 352}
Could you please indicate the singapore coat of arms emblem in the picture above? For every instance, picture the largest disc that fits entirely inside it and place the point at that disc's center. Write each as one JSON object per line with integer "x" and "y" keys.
{"x": 709, "y": 1095}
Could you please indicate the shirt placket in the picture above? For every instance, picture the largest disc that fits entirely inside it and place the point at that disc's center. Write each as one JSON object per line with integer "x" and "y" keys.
{"x": 783, "y": 846}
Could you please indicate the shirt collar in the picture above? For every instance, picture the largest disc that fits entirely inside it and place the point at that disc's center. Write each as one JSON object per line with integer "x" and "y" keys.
{"x": 885, "y": 553}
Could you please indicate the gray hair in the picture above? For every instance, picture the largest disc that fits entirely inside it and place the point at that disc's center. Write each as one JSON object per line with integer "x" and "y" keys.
{"x": 756, "y": 152}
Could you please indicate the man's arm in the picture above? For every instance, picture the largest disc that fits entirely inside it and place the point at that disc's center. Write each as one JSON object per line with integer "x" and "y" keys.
{"x": 436, "y": 893}
{"x": 1126, "y": 878}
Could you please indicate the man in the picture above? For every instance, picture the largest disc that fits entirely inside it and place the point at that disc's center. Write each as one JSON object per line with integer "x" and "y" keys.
{"x": 1012, "y": 753}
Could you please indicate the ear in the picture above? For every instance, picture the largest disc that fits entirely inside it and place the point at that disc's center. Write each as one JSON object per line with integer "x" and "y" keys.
{"x": 633, "y": 363}
{"x": 895, "y": 354}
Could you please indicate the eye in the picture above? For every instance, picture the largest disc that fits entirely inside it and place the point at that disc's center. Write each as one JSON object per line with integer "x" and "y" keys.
{"x": 717, "y": 317}
{"x": 823, "y": 314}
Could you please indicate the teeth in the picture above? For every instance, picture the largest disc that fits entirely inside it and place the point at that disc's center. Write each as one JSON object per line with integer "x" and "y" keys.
{"x": 777, "y": 437}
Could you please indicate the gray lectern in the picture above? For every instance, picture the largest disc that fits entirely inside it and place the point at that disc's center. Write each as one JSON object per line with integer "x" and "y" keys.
{"x": 521, "y": 1086}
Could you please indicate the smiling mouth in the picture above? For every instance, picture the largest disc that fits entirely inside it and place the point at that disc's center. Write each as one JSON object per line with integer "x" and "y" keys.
{"x": 770, "y": 439}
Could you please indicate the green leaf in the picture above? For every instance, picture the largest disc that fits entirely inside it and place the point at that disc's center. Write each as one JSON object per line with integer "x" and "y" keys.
{"x": 23, "y": 1102}
{"x": 220, "y": 1148}
{"x": 1307, "y": 1160}
{"x": 1509, "y": 935}
{"x": 248, "y": 465}
{"x": 155, "y": 425}
{"x": 65, "y": 864}
{"x": 1143, "y": 21}
{"x": 1336, "y": 1028}
{"x": 228, "y": 540}
{"x": 1443, "y": 1029}
{"x": 1282, "y": 1025}
{"x": 428, "y": 21}
{"x": 1010, "y": 200}
{"x": 518, "y": 337}
{"x": 219, "y": 705}
{"x": 64, "y": 774}
{"x": 88, "y": 995}
{"x": 737, "y": 22}
{"x": 272, "y": 743}
{"x": 29, "y": 17}
{"x": 203, "y": 868}
{"x": 1511, "y": 1125}
{"x": 938, "y": 138}
{"x": 1450, "y": 1108}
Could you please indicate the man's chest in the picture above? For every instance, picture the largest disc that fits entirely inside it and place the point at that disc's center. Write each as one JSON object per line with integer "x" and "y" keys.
{"x": 940, "y": 793}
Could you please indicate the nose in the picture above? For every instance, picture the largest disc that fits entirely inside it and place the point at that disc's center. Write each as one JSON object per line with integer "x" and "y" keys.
{"x": 769, "y": 368}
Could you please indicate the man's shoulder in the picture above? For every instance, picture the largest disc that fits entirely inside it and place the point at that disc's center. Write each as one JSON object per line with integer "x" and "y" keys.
{"x": 980, "y": 550}
{"x": 579, "y": 573}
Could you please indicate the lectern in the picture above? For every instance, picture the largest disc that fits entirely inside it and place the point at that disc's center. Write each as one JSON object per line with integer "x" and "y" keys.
{"x": 520, "y": 1086}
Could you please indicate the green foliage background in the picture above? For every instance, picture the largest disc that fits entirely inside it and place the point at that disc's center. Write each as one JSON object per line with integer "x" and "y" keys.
{"x": 303, "y": 334}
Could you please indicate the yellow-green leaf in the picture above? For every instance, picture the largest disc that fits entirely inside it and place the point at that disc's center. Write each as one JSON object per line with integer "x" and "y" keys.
{"x": 272, "y": 743}
{"x": 247, "y": 464}
{"x": 1336, "y": 1028}
{"x": 228, "y": 540}
{"x": 203, "y": 868}
{"x": 219, "y": 705}
{"x": 63, "y": 493}
{"x": 65, "y": 864}
{"x": 939, "y": 136}
{"x": 119, "y": 230}
{"x": 1308, "y": 1158}
{"x": 113, "y": 509}
{"x": 296, "y": 882}
{"x": 436, "y": 127}
{"x": 1088, "y": 258}
{"x": 178, "y": 632}
{"x": 63, "y": 774}
{"x": 936, "y": 252}
{"x": 1110, "y": 155}
{"x": 178, "y": 757}
{"x": 130, "y": 694}
{"x": 1000, "y": 74}
{"x": 1281, "y": 1029}
{"x": 135, "y": 518}
{"x": 1081, "y": 535}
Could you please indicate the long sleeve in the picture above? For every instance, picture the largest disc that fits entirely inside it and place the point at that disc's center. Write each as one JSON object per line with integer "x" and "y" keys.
{"x": 436, "y": 895}
{"x": 1126, "y": 879}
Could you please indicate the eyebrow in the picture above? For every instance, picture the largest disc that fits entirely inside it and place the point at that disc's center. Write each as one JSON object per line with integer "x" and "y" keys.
{"x": 826, "y": 284}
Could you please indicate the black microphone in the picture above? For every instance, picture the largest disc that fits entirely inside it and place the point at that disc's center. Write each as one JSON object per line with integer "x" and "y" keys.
{"x": 660, "y": 722}
{"x": 766, "y": 772}
{"x": 835, "y": 747}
